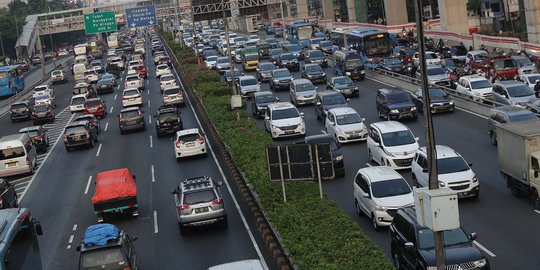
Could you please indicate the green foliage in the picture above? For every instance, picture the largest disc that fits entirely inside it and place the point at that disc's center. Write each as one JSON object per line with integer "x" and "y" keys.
{"x": 317, "y": 233}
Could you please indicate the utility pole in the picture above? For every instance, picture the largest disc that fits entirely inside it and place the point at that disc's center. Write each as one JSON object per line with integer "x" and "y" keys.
{"x": 282, "y": 15}
{"x": 225, "y": 21}
{"x": 430, "y": 135}
{"x": 50, "y": 37}
{"x": 2, "y": 45}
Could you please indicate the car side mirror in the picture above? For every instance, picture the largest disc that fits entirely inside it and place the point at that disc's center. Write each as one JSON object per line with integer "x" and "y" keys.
{"x": 174, "y": 191}
{"x": 134, "y": 177}
{"x": 417, "y": 139}
{"x": 267, "y": 118}
{"x": 473, "y": 236}
{"x": 408, "y": 245}
{"x": 78, "y": 248}
{"x": 366, "y": 195}
{"x": 376, "y": 144}
{"x": 302, "y": 114}
{"x": 318, "y": 104}
{"x": 220, "y": 183}
{"x": 470, "y": 164}
{"x": 37, "y": 227}
{"x": 363, "y": 119}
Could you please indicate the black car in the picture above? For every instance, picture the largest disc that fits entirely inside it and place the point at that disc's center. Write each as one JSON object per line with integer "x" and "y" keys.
{"x": 344, "y": 85}
{"x": 8, "y": 195}
{"x": 335, "y": 148}
{"x": 289, "y": 61}
{"x": 228, "y": 75}
{"x": 317, "y": 57}
{"x": 131, "y": 118}
{"x": 168, "y": 120}
{"x": 412, "y": 245}
{"x": 395, "y": 104}
{"x": 94, "y": 122}
{"x": 278, "y": 33}
{"x": 274, "y": 54}
{"x": 264, "y": 49}
{"x": 264, "y": 71}
{"x": 96, "y": 55}
{"x": 314, "y": 73}
{"x": 439, "y": 99}
{"x": 450, "y": 64}
{"x": 20, "y": 111}
{"x": 42, "y": 113}
{"x": 261, "y": 99}
{"x": 326, "y": 46}
{"x": 295, "y": 50}
{"x": 392, "y": 64}
{"x": 326, "y": 100}
{"x": 272, "y": 41}
{"x": 79, "y": 133}
{"x": 39, "y": 137}
{"x": 105, "y": 85}
{"x": 281, "y": 79}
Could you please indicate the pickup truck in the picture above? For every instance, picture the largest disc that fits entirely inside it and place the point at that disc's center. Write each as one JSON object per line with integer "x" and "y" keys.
{"x": 519, "y": 157}
{"x": 504, "y": 67}
{"x": 116, "y": 192}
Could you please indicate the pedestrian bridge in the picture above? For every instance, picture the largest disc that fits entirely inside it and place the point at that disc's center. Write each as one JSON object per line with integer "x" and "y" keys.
{"x": 37, "y": 25}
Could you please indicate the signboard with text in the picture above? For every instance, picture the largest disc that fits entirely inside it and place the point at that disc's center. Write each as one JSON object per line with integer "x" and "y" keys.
{"x": 141, "y": 16}
{"x": 99, "y": 22}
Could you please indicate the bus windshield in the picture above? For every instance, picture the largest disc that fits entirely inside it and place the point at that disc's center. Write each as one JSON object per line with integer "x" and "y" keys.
{"x": 3, "y": 75}
{"x": 377, "y": 46}
{"x": 354, "y": 63}
{"x": 305, "y": 32}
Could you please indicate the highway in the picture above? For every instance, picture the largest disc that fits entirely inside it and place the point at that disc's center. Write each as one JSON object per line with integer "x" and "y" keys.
{"x": 505, "y": 224}
{"x": 59, "y": 194}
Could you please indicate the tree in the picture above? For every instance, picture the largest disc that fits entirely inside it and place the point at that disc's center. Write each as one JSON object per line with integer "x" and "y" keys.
{"x": 475, "y": 6}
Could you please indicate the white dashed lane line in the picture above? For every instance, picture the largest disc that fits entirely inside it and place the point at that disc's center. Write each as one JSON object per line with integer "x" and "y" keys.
{"x": 88, "y": 185}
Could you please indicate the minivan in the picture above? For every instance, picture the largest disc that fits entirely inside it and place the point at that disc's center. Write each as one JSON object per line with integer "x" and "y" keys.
{"x": 17, "y": 155}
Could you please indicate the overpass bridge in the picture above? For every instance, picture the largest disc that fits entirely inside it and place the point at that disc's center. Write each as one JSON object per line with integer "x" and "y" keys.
{"x": 29, "y": 43}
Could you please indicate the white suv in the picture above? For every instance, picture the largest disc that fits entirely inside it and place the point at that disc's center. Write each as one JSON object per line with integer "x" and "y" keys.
{"x": 131, "y": 97}
{"x": 283, "y": 120}
{"x": 453, "y": 172}
{"x": 345, "y": 124}
{"x": 379, "y": 192}
{"x": 474, "y": 86}
{"x": 391, "y": 143}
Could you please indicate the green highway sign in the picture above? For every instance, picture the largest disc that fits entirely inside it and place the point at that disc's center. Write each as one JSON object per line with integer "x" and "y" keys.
{"x": 99, "y": 22}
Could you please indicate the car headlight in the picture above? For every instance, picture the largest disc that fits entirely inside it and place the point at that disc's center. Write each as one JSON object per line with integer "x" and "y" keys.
{"x": 394, "y": 111}
{"x": 476, "y": 94}
{"x": 356, "y": 88}
{"x": 380, "y": 208}
{"x": 475, "y": 179}
{"x": 276, "y": 81}
{"x": 451, "y": 102}
{"x": 514, "y": 103}
{"x": 347, "y": 73}
{"x": 340, "y": 157}
{"x": 274, "y": 127}
{"x": 480, "y": 263}
{"x": 413, "y": 108}
{"x": 442, "y": 184}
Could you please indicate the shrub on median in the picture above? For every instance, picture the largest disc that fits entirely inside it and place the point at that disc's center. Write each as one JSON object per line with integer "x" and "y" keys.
{"x": 317, "y": 233}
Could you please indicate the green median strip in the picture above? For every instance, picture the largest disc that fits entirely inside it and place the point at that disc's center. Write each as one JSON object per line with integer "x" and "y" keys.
{"x": 317, "y": 233}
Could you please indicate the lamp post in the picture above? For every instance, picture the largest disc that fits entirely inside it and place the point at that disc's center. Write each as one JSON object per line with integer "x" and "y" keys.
{"x": 50, "y": 38}
{"x": 282, "y": 15}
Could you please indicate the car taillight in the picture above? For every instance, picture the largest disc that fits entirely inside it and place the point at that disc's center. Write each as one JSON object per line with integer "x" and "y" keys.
{"x": 217, "y": 201}
{"x": 179, "y": 143}
{"x": 34, "y": 113}
{"x": 27, "y": 160}
{"x": 87, "y": 133}
{"x": 200, "y": 139}
{"x": 183, "y": 207}
{"x": 65, "y": 137}
{"x": 126, "y": 268}
{"x": 141, "y": 115}
{"x": 39, "y": 137}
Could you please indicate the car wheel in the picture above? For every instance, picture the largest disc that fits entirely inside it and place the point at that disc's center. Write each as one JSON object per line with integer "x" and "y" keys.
{"x": 514, "y": 189}
{"x": 536, "y": 200}
{"x": 16, "y": 202}
{"x": 415, "y": 181}
{"x": 374, "y": 222}
{"x": 224, "y": 223}
{"x": 357, "y": 207}
{"x": 379, "y": 113}
{"x": 493, "y": 138}
{"x": 68, "y": 148}
{"x": 183, "y": 229}
{"x": 396, "y": 260}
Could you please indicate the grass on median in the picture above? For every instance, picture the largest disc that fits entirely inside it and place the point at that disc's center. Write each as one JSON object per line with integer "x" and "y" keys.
{"x": 317, "y": 233}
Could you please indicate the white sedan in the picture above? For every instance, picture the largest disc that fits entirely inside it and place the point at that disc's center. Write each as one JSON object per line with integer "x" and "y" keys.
{"x": 162, "y": 70}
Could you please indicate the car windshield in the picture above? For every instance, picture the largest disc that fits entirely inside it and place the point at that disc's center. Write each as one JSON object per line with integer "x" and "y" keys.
{"x": 392, "y": 61}
{"x": 398, "y": 138}
{"x": 198, "y": 196}
{"x": 437, "y": 93}
{"x": 435, "y": 71}
{"x": 534, "y": 78}
{"x": 266, "y": 98}
{"x": 431, "y": 56}
{"x": 334, "y": 99}
{"x": 267, "y": 67}
{"x": 171, "y": 91}
{"x": 276, "y": 52}
{"x": 520, "y": 91}
{"x": 504, "y": 64}
{"x": 426, "y": 239}
{"x": 343, "y": 81}
{"x": 54, "y": 73}
{"x": 409, "y": 52}
{"x": 41, "y": 108}
{"x": 75, "y": 129}
{"x": 284, "y": 114}
{"x": 302, "y": 87}
{"x": 389, "y": 188}
{"x": 451, "y": 165}
{"x": 13, "y": 152}
{"x": 399, "y": 98}
{"x": 248, "y": 81}
{"x": 18, "y": 106}
{"x": 313, "y": 68}
{"x": 450, "y": 62}
{"x": 211, "y": 58}
{"x": 316, "y": 54}
{"x": 325, "y": 43}
{"x": 294, "y": 48}
{"x": 104, "y": 81}
{"x": 31, "y": 133}
{"x": 264, "y": 46}
{"x": 132, "y": 78}
{"x": 523, "y": 62}
{"x": 89, "y": 72}
{"x": 282, "y": 73}
{"x": 348, "y": 119}
{"x": 522, "y": 117}
{"x": 481, "y": 84}
{"x": 107, "y": 258}
{"x": 77, "y": 101}
{"x": 42, "y": 97}
{"x": 459, "y": 50}
{"x": 167, "y": 78}
{"x": 223, "y": 60}
{"x": 287, "y": 56}
{"x": 130, "y": 114}
{"x": 92, "y": 103}
{"x": 132, "y": 92}
{"x": 354, "y": 63}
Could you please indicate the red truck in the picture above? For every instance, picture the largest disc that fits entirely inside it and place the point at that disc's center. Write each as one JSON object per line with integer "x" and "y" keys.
{"x": 502, "y": 66}
{"x": 116, "y": 192}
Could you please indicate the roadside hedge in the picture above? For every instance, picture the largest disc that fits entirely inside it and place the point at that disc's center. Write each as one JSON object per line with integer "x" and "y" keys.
{"x": 317, "y": 233}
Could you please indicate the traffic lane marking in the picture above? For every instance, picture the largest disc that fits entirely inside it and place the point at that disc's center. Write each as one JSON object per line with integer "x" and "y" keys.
{"x": 484, "y": 249}
{"x": 88, "y": 185}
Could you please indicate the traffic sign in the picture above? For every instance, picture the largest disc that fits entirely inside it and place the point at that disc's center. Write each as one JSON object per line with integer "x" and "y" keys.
{"x": 141, "y": 16}
{"x": 99, "y": 22}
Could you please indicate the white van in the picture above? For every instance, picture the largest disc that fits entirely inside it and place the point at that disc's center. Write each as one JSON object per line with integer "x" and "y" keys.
{"x": 81, "y": 59}
{"x": 78, "y": 70}
{"x": 77, "y": 103}
{"x": 17, "y": 155}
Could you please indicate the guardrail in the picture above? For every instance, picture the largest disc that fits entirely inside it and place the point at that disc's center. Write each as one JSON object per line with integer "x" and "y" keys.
{"x": 26, "y": 93}
{"x": 269, "y": 235}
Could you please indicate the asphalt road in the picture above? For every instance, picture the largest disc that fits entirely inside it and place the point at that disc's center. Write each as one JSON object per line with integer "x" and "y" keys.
{"x": 60, "y": 194}
{"x": 505, "y": 224}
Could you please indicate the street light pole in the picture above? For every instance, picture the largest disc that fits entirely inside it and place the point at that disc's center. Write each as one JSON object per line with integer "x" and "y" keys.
{"x": 430, "y": 134}
{"x": 225, "y": 21}
{"x": 282, "y": 15}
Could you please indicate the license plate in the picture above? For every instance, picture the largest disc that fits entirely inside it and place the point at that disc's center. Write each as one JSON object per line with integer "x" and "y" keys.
{"x": 117, "y": 211}
{"x": 201, "y": 210}
{"x": 190, "y": 144}
{"x": 289, "y": 132}
{"x": 11, "y": 164}
{"x": 356, "y": 77}
{"x": 131, "y": 99}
